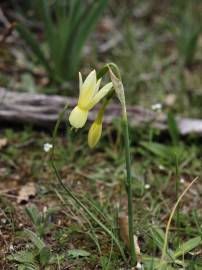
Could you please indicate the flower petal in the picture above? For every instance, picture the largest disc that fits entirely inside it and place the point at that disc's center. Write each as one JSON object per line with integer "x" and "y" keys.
{"x": 78, "y": 117}
{"x": 87, "y": 89}
{"x": 80, "y": 81}
{"x": 103, "y": 92}
{"x": 97, "y": 86}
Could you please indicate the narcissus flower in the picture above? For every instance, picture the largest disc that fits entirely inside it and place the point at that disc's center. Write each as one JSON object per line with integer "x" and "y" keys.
{"x": 89, "y": 96}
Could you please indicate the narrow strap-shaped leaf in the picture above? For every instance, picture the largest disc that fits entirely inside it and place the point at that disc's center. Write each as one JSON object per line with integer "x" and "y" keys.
{"x": 46, "y": 16}
{"x": 76, "y": 8}
{"x": 33, "y": 44}
{"x": 91, "y": 18}
{"x": 51, "y": 32}
{"x": 78, "y": 11}
{"x": 81, "y": 31}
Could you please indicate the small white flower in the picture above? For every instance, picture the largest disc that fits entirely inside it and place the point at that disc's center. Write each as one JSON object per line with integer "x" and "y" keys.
{"x": 139, "y": 266}
{"x": 45, "y": 209}
{"x": 161, "y": 167}
{"x": 157, "y": 107}
{"x": 182, "y": 180}
{"x": 47, "y": 147}
{"x": 11, "y": 248}
{"x": 3, "y": 221}
{"x": 147, "y": 186}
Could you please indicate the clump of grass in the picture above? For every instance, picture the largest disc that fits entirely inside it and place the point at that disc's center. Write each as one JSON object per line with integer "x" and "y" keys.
{"x": 67, "y": 25}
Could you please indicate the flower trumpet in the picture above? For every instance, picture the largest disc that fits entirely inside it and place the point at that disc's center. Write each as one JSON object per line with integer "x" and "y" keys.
{"x": 89, "y": 96}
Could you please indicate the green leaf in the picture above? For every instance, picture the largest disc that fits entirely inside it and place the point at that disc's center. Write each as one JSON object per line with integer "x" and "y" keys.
{"x": 49, "y": 28}
{"x": 28, "y": 266}
{"x": 76, "y": 253}
{"x": 83, "y": 29}
{"x": 67, "y": 25}
{"x": 47, "y": 19}
{"x": 158, "y": 237}
{"x": 33, "y": 214}
{"x": 152, "y": 263}
{"x": 33, "y": 44}
{"x": 22, "y": 257}
{"x": 38, "y": 243}
{"x": 57, "y": 258}
{"x": 173, "y": 128}
{"x": 167, "y": 153}
{"x": 188, "y": 246}
{"x": 44, "y": 256}
{"x": 158, "y": 149}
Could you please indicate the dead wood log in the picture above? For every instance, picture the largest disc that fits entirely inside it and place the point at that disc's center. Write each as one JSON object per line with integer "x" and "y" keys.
{"x": 43, "y": 110}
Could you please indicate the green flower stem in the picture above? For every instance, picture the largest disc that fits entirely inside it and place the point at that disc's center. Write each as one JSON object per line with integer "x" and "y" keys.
{"x": 102, "y": 109}
{"x": 120, "y": 93}
{"x": 129, "y": 190}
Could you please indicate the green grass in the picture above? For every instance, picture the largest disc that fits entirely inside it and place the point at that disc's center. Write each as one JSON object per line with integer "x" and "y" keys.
{"x": 76, "y": 238}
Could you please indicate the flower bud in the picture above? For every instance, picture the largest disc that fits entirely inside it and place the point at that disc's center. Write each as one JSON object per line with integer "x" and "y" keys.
{"x": 94, "y": 133}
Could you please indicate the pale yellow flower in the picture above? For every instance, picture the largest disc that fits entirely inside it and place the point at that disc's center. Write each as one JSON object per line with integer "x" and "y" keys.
{"x": 94, "y": 134}
{"x": 89, "y": 96}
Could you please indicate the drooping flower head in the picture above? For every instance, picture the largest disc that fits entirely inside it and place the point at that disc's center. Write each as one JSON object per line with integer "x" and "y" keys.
{"x": 89, "y": 96}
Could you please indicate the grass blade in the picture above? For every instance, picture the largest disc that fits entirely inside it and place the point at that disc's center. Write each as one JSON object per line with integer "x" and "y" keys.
{"x": 33, "y": 44}
{"x": 84, "y": 28}
{"x": 173, "y": 128}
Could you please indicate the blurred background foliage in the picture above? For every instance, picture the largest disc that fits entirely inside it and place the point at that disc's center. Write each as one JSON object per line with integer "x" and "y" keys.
{"x": 157, "y": 44}
{"x": 66, "y": 26}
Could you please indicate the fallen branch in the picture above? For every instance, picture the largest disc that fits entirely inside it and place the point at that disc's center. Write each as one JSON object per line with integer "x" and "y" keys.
{"x": 43, "y": 110}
